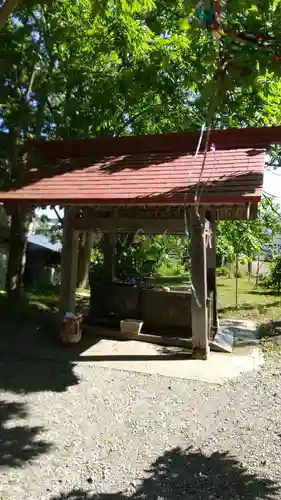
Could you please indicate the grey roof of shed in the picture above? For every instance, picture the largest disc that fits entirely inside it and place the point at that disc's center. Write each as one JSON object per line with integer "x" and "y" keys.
{"x": 44, "y": 242}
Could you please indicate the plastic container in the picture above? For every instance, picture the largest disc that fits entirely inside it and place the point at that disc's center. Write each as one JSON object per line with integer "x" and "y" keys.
{"x": 131, "y": 326}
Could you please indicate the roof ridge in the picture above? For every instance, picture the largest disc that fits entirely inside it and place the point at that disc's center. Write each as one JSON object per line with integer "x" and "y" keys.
{"x": 224, "y": 139}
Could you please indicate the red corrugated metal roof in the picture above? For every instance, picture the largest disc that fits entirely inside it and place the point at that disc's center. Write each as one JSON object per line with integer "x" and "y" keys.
{"x": 146, "y": 169}
{"x": 232, "y": 176}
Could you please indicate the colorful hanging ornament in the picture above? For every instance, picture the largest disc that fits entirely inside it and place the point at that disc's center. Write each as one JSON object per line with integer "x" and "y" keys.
{"x": 208, "y": 12}
{"x": 213, "y": 150}
{"x": 205, "y": 13}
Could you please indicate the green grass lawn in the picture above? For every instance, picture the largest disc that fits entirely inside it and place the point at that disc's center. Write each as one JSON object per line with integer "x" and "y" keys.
{"x": 254, "y": 304}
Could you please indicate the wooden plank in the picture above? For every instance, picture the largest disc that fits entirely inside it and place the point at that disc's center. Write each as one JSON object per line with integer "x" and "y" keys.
{"x": 103, "y": 332}
{"x": 211, "y": 256}
{"x": 127, "y": 225}
{"x": 109, "y": 250}
{"x": 171, "y": 219}
{"x": 212, "y": 278}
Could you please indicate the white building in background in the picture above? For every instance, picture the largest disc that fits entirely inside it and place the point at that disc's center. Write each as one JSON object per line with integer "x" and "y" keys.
{"x": 36, "y": 223}
{"x": 275, "y": 249}
{"x": 277, "y": 242}
{"x": 34, "y": 240}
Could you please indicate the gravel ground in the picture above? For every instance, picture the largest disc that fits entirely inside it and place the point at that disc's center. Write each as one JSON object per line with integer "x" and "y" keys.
{"x": 76, "y": 432}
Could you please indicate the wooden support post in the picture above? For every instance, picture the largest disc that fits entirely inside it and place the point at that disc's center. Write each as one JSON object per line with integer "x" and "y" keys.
{"x": 199, "y": 303}
{"x": 211, "y": 276}
{"x": 86, "y": 244}
{"x": 109, "y": 249}
{"x": 69, "y": 263}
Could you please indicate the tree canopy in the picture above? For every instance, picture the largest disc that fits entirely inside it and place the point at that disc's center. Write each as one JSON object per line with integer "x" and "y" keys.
{"x": 236, "y": 238}
{"x": 87, "y": 70}
{"x": 82, "y": 69}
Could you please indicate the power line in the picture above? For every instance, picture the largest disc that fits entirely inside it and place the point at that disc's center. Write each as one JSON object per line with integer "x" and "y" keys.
{"x": 272, "y": 207}
{"x": 272, "y": 172}
{"x": 269, "y": 195}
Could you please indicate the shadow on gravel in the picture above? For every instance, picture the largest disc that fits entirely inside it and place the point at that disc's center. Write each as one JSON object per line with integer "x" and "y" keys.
{"x": 31, "y": 358}
{"x": 19, "y": 443}
{"x": 36, "y": 375}
{"x": 190, "y": 475}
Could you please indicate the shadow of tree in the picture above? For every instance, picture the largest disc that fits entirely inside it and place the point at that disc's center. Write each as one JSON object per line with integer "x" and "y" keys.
{"x": 31, "y": 374}
{"x": 270, "y": 333}
{"x": 19, "y": 443}
{"x": 30, "y": 354}
{"x": 191, "y": 475}
{"x": 265, "y": 292}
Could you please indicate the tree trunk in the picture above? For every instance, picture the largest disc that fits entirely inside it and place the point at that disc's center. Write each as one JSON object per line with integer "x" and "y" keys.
{"x": 5, "y": 11}
{"x": 19, "y": 217}
{"x": 84, "y": 255}
{"x": 16, "y": 261}
{"x": 236, "y": 280}
{"x": 250, "y": 268}
{"x": 258, "y": 270}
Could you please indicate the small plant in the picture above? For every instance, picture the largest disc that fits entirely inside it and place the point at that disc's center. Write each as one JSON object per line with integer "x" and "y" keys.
{"x": 271, "y": 351}
{"x": 222, "y": 271}
{"x": 273, "y": 280}
{"x": 237, "y": 274}
{"x": 96, "y": 269}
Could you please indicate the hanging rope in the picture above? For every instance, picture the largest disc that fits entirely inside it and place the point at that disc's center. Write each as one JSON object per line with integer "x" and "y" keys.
{"x": 200, "y": 140}
{"x": 209, "y": 12}
{"x": 213, "y": 102}
{"x": 195, "y": 296}
{"x": 207, "y": 235}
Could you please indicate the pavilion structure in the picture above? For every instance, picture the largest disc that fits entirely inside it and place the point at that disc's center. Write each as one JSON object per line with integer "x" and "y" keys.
{"x": 151, "y": 183}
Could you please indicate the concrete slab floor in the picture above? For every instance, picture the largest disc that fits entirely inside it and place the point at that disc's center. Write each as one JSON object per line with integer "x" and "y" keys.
{"x": 173, "y": 362}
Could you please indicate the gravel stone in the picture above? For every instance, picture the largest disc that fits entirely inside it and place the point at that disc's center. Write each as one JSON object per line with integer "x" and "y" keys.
{"x": 70, "y": 432}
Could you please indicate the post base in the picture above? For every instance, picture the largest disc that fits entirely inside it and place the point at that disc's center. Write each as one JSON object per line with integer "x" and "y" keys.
{"x": 198, "y": 353}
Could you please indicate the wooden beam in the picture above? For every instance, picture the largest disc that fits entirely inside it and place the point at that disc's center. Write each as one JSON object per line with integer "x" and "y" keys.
{"x": 152, "y": 219}
{"x": 199, "y": 302}
{"x": 109, "y": 250}
{"x": 211, "y": 275}
{"x": 211, "y": 255}
{"x": 127, "y": 225}
{"x": 69, "y": 263}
